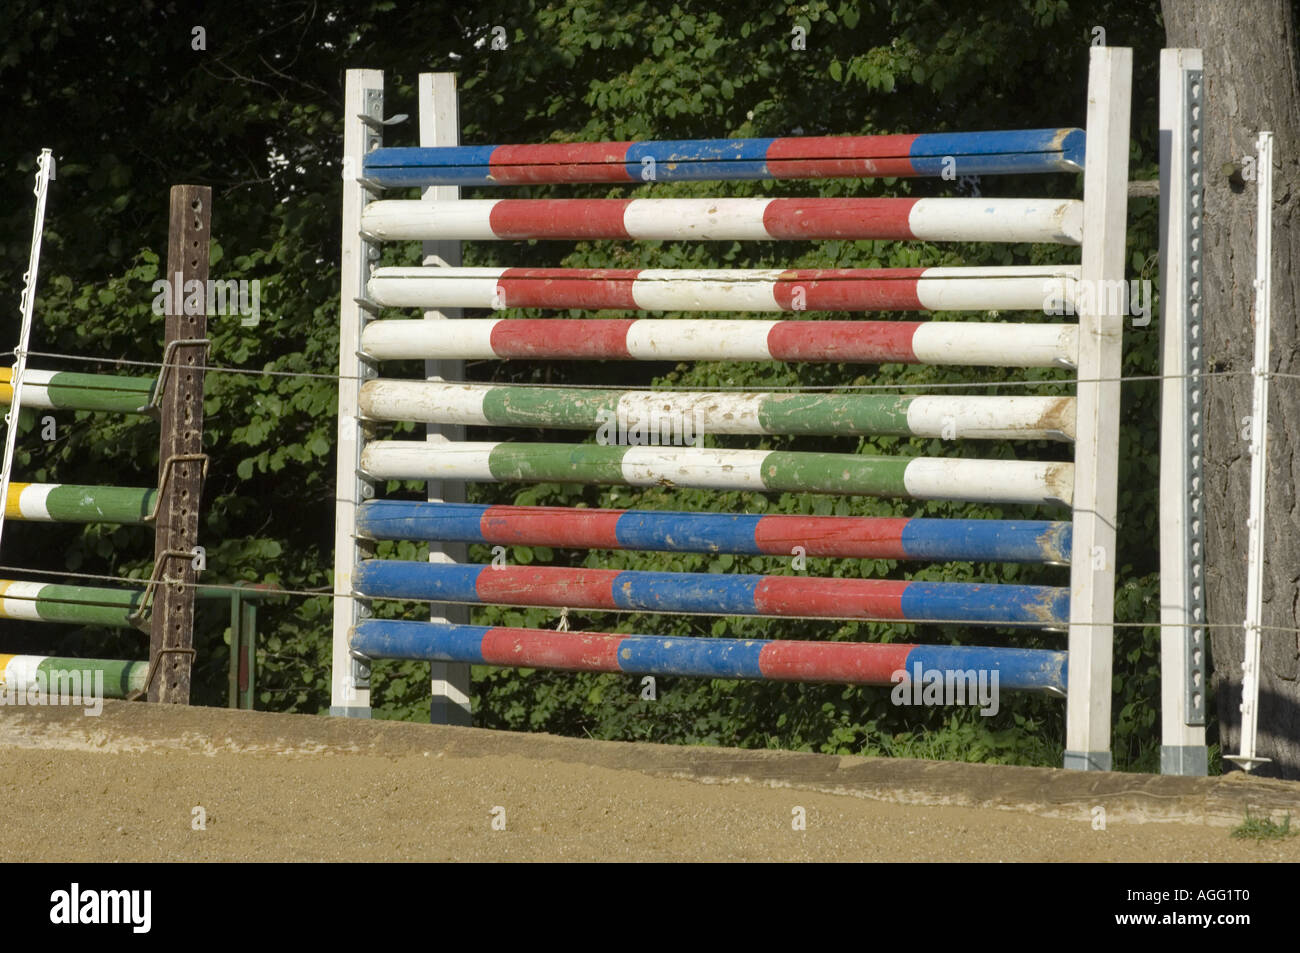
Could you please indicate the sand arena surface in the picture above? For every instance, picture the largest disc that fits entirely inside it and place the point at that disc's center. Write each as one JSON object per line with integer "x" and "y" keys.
{"x": 293, "y": 787}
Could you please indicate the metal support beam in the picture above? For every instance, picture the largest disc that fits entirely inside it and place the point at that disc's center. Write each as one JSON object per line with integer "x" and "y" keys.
{"x": 233, "y": 671}
{"x": 248, "y": 656}
{"x": 1182, "y": 418}
{"x": 180, "y": 447}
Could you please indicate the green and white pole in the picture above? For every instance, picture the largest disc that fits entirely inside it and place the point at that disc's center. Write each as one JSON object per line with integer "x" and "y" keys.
{"x": 669, "y": 413}
{"x": 68, "y": 503}
{"x": 922, "y": 478}
{"x": 61, "y": 390}
{"x": 79, "y": 605}
{"x": 20, "y": 674}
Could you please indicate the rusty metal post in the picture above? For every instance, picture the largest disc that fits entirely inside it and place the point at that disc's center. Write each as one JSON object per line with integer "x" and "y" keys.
{"x": 176, "y": 532}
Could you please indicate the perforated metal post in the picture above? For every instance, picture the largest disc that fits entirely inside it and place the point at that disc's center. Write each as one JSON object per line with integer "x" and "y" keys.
{"x": 1182, "y": 417}
{"x": 180, "y": 448}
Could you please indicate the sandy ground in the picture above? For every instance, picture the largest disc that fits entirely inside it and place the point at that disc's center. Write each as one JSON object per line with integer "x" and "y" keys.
{"x": 283, "y": 787}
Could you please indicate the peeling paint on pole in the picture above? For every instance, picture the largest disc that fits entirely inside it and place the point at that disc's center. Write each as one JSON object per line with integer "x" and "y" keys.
{"x": 61, "y": 390}
{"x": 1027, "y": 541}
{"x": 1055, "y": 221}
{"x": 67, "y": 503}
{"x": 785, "y": 661}
{"x": 990, "y": 481}
{"x": 1009, "y": 288}
{"x": 809, "y": 157}
{"x": 716, "y": 593}
{"x": 965, "y": 417}
{"x": 82, "y": 605}
{"x": 689, "y": 339}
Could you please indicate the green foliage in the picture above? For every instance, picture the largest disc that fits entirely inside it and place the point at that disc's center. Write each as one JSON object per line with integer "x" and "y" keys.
{"x": 257, "y": 116}
{"x": 1264, "y": 828}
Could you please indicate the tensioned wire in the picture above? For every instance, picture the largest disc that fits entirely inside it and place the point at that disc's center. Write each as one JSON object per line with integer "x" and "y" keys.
{"x": 1061, "y": 381}
{"x": 325, "y": 591}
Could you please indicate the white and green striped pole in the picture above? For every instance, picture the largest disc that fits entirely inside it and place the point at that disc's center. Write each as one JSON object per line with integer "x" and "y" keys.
{"x": 68, "y": 503}
{"x": 20, "y": 674}
{"x": 80, "y": 605}
{"x": 63, "y": 390}
{"x": 923, "y": 478}
{"x": 660, "y": 412}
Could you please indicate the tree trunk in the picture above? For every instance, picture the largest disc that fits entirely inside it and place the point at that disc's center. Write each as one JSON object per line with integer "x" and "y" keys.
{"x": 1252, "y": 83}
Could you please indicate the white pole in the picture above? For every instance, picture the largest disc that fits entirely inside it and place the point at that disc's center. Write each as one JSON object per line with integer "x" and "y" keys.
{"x": 44, "y": 172}
{"x": 363, "y": 96}
{"x": 440, "y": 126}
{"x": 1258, "y": 458}
{"x": 1096, "y": 487}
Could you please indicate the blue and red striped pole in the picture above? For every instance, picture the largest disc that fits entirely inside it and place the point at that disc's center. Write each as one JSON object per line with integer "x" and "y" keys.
{"x": 715, "y": 593}
{"x": 1006, "y": 152}
{"x": 852, "y": 663}
{"x": 941, "y": 540}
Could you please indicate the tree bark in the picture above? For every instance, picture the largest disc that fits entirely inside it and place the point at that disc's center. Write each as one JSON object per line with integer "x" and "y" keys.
{"x": 1252, "y": 83}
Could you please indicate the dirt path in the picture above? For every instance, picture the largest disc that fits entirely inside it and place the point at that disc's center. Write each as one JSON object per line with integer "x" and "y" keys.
{"x": 281, "y": 787}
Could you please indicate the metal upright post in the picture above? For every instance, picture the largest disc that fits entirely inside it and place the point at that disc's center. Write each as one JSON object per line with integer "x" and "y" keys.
{"x": 1101, "y": 326}
{"x": 1182, "y": 418}
{"x": 233, "y": 678}
{"x": 248, "y": 628}
{"x": 180, "y": 447}
{"x": 363, "y": 108}
{"x": 440, "y": 126}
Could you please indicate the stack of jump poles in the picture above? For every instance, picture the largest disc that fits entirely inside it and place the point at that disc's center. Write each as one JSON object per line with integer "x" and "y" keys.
{"x": 1088, "y": 420}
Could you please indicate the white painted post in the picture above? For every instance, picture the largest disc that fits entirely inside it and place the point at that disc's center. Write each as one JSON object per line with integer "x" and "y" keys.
{"x": 350, "y": 680}
{"x": 1258, "y": 458}
{"x": 440, "y": 126}
{"x": 44, "y": 172}
{"x": 1182, "y": 547}
{"x": 1101, "y": 325}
